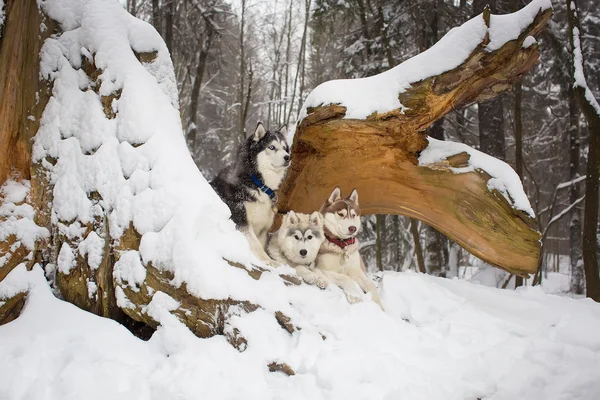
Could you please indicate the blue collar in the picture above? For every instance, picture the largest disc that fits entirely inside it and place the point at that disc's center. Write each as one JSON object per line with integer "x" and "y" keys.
{"x": 264, "y": 188}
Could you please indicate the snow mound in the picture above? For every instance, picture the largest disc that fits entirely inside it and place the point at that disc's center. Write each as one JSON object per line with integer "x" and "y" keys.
{"x": 379, "y": 93}
{"x": 129, "y": 162}
{"x": 440, "y": 339}
{"x": 504, "y": 178}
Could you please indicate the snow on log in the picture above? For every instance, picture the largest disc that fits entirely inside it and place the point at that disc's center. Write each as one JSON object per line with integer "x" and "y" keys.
{"x": 370, "y": 134}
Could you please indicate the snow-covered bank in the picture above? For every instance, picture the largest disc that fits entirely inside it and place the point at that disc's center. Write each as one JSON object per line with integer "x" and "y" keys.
{"x": 440, "y": 339}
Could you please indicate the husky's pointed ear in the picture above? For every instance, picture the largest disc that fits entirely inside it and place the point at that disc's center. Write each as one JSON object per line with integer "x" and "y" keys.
{"x": 292, "y": 218}
{"x": 335, "y": 195}
{"x": 259, "y": 132}
{"x": 316, "y": 219}
{"x": 353, "y": 196}
{"x": 283, "y": 130}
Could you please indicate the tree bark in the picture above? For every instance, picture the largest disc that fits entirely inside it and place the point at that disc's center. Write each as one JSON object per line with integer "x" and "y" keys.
{"x": 378, "y": 156}
{"x": 22, "y": 94}
{"x": 591, "y": 114}
{"x": 19, "y": 82}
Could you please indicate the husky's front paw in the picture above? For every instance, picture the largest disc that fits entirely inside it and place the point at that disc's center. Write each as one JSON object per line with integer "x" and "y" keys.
{"x": 272, "y": 263}
{"x": 352, "y": 299}
{"x": 321, "y": 280}
{"x": 310, "y": 278}
{"x": 375, "y": 297}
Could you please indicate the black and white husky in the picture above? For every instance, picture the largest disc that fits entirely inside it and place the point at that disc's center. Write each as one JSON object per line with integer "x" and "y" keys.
{"x": 248, "y": 185}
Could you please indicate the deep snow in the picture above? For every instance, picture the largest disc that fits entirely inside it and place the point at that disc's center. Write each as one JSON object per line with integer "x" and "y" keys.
{"x": 439, "y": 339}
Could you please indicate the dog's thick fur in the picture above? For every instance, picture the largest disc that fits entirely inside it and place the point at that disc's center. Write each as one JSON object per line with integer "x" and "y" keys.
{"x": 297, "y": 243}
{"x": 344, "y": 266}
{"x": 266, "y": 155}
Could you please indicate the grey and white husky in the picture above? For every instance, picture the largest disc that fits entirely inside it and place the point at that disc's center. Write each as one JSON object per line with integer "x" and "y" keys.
{"x": 248, "y": 185}
{"x": 297, "y": 243}
{"x": 339, "y": 259}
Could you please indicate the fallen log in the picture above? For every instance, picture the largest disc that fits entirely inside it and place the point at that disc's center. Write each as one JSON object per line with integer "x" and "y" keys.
{"x": 380, "y": 152}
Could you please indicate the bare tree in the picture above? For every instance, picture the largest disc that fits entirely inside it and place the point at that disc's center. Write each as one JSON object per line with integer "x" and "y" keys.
{"x": 591, "y": 110}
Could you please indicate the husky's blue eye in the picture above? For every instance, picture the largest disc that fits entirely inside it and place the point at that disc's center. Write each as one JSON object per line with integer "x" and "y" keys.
{"x": 271, "y": 147}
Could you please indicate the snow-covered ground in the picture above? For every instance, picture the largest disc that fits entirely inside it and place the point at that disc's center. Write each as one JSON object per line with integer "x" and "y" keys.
{"x": 438, "y": 339}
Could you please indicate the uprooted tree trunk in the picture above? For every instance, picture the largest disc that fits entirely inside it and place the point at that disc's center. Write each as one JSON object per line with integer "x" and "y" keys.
{"x": 458, "y": 205}
{"x": 379, "y": 156}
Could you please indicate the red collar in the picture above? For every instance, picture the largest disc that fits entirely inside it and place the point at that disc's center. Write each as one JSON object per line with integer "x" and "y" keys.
{"x": 342, "y": 243}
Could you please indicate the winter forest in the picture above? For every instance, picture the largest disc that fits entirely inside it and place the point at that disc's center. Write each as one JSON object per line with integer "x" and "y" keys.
{"x": 237, "y": 63}
{"x": 410, "y": 208}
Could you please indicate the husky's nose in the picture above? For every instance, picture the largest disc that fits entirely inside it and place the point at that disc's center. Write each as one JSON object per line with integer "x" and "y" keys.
{"x": 286, "y": 158}
{"x": 352, "y": 229}
{"x": 303, "y": 253}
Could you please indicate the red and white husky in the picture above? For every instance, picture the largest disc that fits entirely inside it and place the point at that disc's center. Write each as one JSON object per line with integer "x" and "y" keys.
{"x": 338, "y": 258}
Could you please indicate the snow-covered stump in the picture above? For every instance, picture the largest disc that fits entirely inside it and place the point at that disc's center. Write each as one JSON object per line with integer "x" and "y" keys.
{"x": 369, "y": 134}
{"x": 104, "y": 194}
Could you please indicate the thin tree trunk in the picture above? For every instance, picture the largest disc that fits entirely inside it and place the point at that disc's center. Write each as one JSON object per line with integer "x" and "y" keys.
{"x": 414, "y": 230}
{"x": 156, "y": 15}
{"x": 576, "y": 261}
{"x": 287, "y": 61}
{"x": 248, "y": 97}
{"x": 518, "y": 147}
{"x": 397, "y": 252}
{"x": 241, "y": 120}
{"x": 132, "y": 7}
{"x": 195, "y": 95}
{"x": 300, "y": 57}
{"x": 490, "y": 112}
{"x": 170, "y": 11}
{"x": 379, "y": 225}
{"x": 364, "y": 28}
{"x": 384, "y": 37}
{"x": 591, "y": 111}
